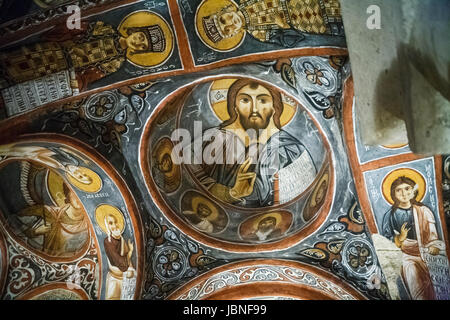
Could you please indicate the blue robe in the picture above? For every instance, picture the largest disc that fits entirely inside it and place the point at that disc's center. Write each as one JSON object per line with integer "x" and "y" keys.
{"x": 281, "y": 144}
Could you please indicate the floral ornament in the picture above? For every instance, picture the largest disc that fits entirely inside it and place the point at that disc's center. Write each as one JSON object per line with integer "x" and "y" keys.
{"x": 102, "y": 108}
{"x": 98, "y": 118}
{"x": 170, "y": 263}
{"x": 358, "y": 256}
{"x": 374, "y": 281}
{"x": 315, "y": 75}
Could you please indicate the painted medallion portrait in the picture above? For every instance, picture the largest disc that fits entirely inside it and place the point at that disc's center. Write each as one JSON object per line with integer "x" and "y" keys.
{"x": 202, "y": 213}
{"x": 148, "y": 37}
{"x": 266, "y": 227}
{"x": 317, "y": 197}
{"x": 166, "y": 174}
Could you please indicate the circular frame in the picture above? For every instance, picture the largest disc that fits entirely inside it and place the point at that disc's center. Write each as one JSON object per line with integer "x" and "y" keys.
{"x": 173, "y": 217}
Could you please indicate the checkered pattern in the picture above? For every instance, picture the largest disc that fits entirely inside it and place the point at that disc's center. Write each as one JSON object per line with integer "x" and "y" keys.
{"x": 332, "y": 9}
{"x": 311, "y": 16}
{"x": 32, "y": 62}
{"x": 306, "y": 15}
{"x": 93, "y": 52}
{"x": 262, "y": 12}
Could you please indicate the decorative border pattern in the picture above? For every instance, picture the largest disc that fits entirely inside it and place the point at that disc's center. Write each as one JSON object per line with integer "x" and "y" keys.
{"x": 276, "y": 273}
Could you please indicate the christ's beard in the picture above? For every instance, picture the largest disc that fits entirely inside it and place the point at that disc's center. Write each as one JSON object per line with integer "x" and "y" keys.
{"x": 255, "y": 123}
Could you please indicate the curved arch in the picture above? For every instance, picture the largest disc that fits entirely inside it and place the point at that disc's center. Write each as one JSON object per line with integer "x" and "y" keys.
{"x": 3, "y": 262}
{"x": 57, "y": 286}
{"x": 10, "y": 232}
{"x": 261, "y": 278}
{"x": 120, "y": 186}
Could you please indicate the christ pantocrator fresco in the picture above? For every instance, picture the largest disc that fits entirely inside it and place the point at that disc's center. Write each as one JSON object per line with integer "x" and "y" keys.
{"x": 254, "y": 158}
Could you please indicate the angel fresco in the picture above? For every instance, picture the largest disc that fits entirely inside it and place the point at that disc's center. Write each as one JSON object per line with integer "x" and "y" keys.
{"x": 411, "y": 225}
{"x": 222, "y": 25}
{"x": 143, "y": 38}
{"x": 254, "y": 158}
{"x": 49, "y": 216}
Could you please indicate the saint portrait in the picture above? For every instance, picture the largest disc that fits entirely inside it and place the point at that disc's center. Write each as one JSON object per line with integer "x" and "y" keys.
{"x": 222, "y": 25}
{"x": 143, "y": 38}
{"x": 202, "y": 213}
{"x": 412, "y": 227}
{"x": 317, "y": 197}
{"x": 121, "y": 277}
{"x": 266, "y": 227}
{"x": 249, "y": 160}
{"x": 44, "y": 212}
{"x": 166, "y": 174}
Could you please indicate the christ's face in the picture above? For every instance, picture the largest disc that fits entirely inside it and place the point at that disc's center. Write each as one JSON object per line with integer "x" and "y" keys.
{"x": 267, "y": 224}
{"x": 137, "y": 41}
{"x": 404, "y": 193}
{"x": 254, "y": 106}
{"x": 229, "y": 23}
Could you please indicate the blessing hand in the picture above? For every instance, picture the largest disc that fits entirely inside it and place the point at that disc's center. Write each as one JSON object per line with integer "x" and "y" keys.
{"x": 403, "y": 232}
{"x": 245, "y": 181}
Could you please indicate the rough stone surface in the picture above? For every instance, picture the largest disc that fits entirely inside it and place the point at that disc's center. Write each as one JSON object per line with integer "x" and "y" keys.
{"x": 391, "y": 261}
{"x": 401, "y": 72}
{"x": 376, "y": 70}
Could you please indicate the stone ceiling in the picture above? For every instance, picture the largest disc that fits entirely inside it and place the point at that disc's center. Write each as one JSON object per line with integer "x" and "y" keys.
{"x": 110, "y": 183}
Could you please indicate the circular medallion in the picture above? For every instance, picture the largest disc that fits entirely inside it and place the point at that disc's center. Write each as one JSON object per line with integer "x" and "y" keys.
{"x": 101, "y": 107}
{"x": 170, "y": 263}
{"x": 84, "y": 179}
{"x": 206, "y": 25}
{"x": 158, "y": 34}
{"x": 359, "y": 258}
{"x": 412, "y": 174}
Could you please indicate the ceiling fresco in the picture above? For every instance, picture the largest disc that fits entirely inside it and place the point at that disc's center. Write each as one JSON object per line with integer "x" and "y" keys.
{"x": 203, "y": 150}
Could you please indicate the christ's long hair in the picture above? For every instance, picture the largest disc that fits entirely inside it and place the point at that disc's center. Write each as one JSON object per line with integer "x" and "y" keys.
{"x": 395, "y": 184}
{"x": 231, "y": 101}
